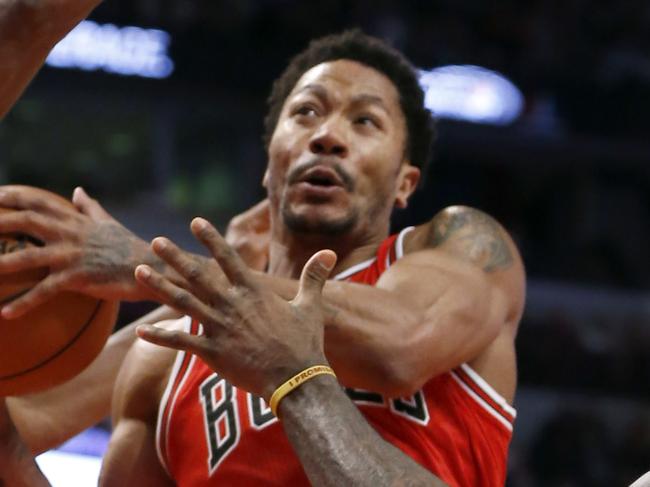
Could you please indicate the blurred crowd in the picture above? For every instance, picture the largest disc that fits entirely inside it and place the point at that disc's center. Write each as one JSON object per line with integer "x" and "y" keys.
{"x": 581, "y": 448}
{"x": 577, "y": 50}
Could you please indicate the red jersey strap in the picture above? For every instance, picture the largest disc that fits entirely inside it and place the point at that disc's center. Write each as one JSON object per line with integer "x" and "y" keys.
{"x": 182, "y": 365}
{"x": 485, "y": 395}
{"x": 368, "y": 271}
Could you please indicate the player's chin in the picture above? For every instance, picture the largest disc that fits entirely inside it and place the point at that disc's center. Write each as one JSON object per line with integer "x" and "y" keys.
{"x": 320, "y": 208}
{"x": 309, "y": 194}
{"x": 319, "y": 219}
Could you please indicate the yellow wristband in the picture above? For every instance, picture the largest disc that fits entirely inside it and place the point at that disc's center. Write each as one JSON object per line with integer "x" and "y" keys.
{"x": 297, "y": 380}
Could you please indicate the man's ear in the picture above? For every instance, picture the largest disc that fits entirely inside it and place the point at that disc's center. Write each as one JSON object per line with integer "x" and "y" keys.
{"x": 407, "y": 182}
{"x": 265, "y": 179}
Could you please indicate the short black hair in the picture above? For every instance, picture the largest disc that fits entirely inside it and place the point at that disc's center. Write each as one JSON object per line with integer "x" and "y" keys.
{"x": 354, "y": 45}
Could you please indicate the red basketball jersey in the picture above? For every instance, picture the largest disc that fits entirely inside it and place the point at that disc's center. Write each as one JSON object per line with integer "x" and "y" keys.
{"x": 210, "y": 433}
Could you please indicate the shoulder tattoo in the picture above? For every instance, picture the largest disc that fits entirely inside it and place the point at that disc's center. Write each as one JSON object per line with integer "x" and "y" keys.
{"x": 474, "y": 236}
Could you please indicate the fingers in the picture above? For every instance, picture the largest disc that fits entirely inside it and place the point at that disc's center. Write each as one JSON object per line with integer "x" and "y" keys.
{"x": 313, "y": 277}
{"x": 178, "y": 340}
{"x": 176, "y": 297}
{"x": 89, "y": 206}
{"x": 29, "y": 222}
{"x": 25, "y": 198}
{"x": 193, "y": 270}
{"x": 42, "y": 292}
{"x": 231, "y": 264}
{"x": 31, "y": 258}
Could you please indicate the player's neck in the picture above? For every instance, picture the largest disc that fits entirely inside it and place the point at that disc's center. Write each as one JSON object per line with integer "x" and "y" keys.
{"x": 289, "y": 252}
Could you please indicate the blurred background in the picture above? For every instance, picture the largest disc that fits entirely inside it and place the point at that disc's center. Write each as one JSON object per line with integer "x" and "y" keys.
{"x": 156, "y": 108}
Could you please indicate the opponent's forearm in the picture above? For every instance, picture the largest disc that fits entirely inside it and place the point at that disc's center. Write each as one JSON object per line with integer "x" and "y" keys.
{"x": 337, "y": 446}
{"x": 28, "y": 31}
{"x": 114, "y": 253}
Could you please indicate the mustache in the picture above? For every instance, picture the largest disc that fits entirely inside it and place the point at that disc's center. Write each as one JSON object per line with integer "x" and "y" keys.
{"x": 296, "y": 173}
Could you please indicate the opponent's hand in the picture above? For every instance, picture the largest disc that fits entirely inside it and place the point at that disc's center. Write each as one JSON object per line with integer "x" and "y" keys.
{"x": 252, "y": 337}
{"x": 250, "y": 234}
{"x": 85, "y": 249}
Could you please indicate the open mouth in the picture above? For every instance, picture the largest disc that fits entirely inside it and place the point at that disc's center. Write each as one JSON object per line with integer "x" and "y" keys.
{"x": 322, "y": 177}
{"x": 320, "y": 181}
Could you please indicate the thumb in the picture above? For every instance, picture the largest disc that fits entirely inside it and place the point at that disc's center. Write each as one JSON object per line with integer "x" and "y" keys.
{"x": 88, "y": 206}
{"x": 313, "y": 276}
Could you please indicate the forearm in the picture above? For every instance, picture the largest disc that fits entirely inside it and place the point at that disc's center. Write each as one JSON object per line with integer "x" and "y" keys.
{"x": 24, "y": 472}
{"x": 17, "y": 465}
{"x": 337, "y": 446}
{"x": 28, "y": 31}
{"x": 47, "y": 419}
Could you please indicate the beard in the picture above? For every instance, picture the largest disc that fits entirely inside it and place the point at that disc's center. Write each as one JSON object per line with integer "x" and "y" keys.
{"x": 331, "y": 228}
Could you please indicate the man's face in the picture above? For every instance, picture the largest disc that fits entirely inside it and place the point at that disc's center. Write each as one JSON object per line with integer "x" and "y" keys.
{"x": 336, "y": 158}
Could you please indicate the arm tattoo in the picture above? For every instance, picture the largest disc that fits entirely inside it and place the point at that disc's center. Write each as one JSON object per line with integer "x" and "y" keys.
{"x": 475, "y": 236}
{"x": 112, "y": 252}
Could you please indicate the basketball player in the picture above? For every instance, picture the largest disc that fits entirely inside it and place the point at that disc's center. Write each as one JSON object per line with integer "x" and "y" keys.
{"x": 447, "y": 293}
{"x": 427, "y": 352}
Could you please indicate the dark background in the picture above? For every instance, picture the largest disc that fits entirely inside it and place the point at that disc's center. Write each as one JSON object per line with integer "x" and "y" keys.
{"x": 570, "y": 178}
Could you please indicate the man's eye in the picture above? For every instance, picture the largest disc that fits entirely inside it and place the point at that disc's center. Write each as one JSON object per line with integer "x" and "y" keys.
{"x": 305, "y": 111}
{"x": 365, "y": 120}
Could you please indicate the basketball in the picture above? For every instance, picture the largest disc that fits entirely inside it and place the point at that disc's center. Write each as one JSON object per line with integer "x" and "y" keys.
{"x": 55, "y": 341}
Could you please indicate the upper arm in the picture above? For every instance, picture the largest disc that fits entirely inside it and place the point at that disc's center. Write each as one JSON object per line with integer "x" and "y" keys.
{"x": 463, "y": 280}
{"x": 131, "y": 458}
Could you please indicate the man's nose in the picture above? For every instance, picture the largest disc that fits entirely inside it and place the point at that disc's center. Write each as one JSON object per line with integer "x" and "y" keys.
{"x": 327, "y": 140}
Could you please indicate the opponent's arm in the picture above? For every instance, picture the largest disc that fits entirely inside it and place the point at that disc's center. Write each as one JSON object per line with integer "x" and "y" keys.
{"x": 337, "y": 446}
{"x": 90, "y": 252}
{"x": 49, "y": 418}
{"x": 131, "y": 459}
{"x": 29, "y": 29}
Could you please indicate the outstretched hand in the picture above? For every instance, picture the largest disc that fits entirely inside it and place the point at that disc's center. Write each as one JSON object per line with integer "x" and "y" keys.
{"x": 85, "y": 249}
{"x": 252, "y": 337}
